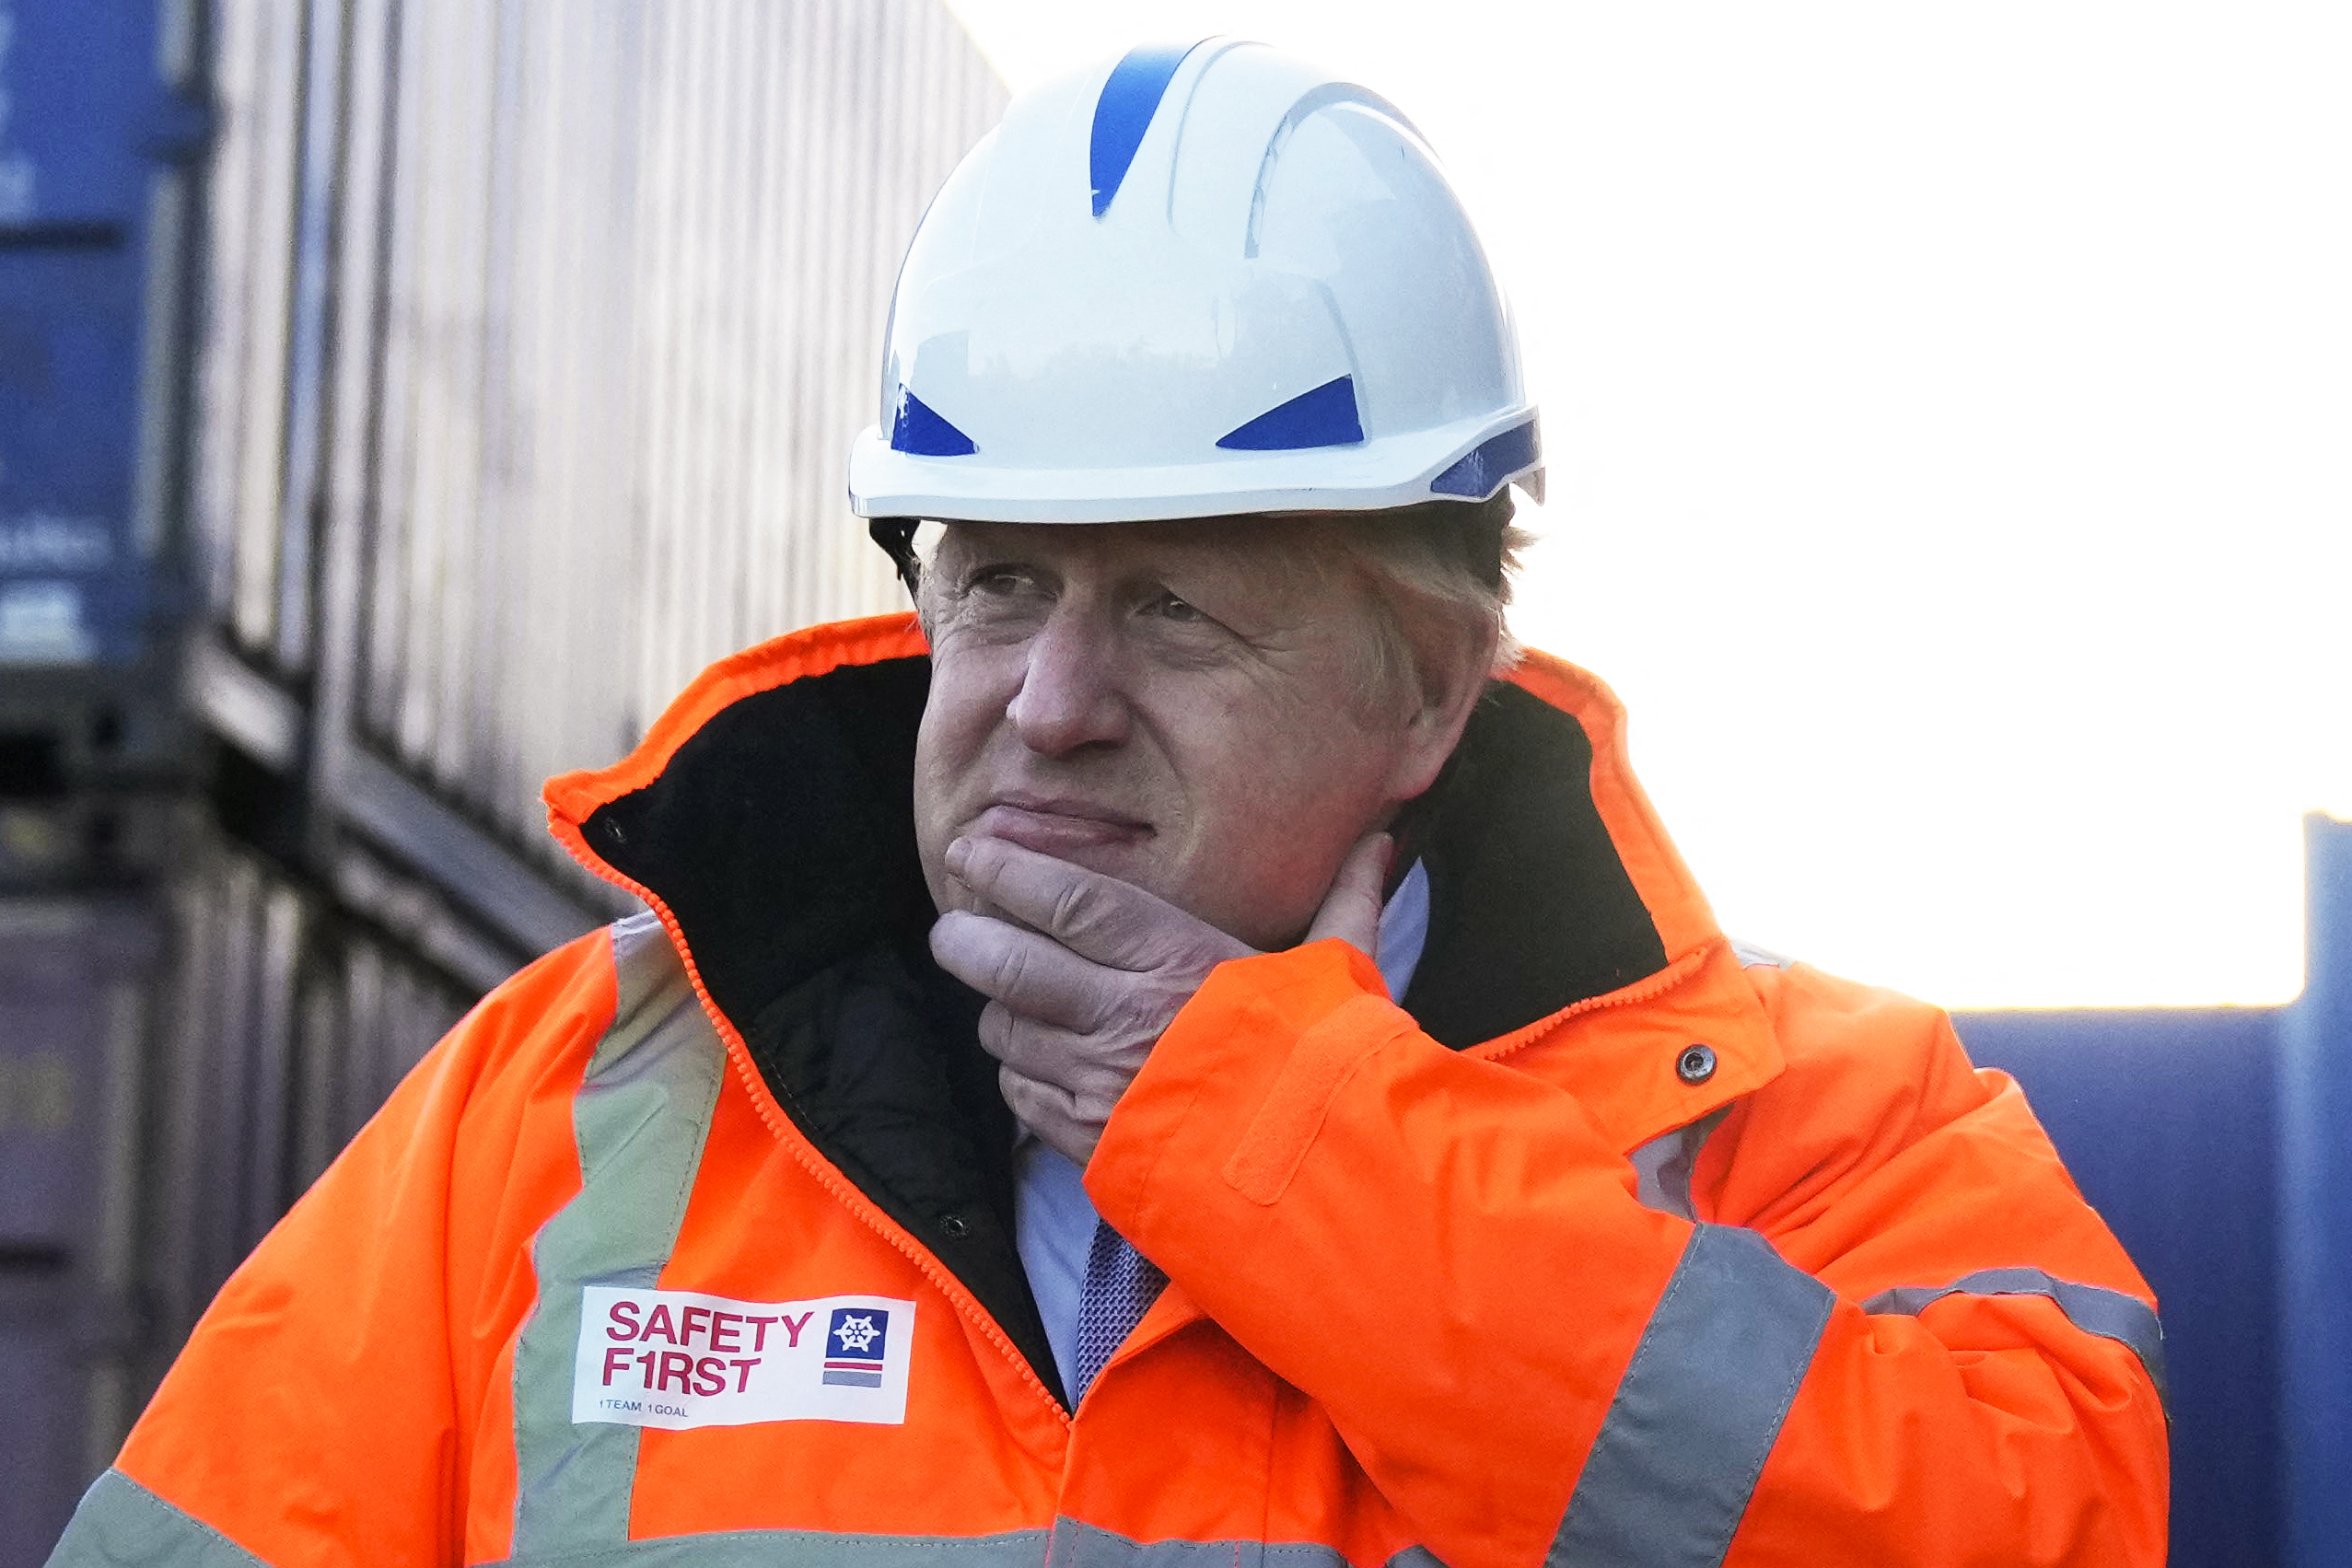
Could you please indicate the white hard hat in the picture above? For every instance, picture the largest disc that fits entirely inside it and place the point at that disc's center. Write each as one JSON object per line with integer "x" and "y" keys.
{"x": 1196, "y": 282}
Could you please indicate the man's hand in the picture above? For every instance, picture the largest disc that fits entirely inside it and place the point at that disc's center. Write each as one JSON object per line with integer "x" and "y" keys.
{"x": 1083, "y": 985}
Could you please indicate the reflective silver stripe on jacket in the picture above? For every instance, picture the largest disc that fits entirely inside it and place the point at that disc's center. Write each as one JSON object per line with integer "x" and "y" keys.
{"x": 1698, "y": 1409}
{"x": 2110, "y": 1314}
{"x": 120, "y": 1523}
{"x": 1077, "y": 1545}
{"x": 1070, "y": 1545}
{"x": 640, "y": 1117}
{"x": 1663, "y": 1167}
{"x": 814, "y": 1549}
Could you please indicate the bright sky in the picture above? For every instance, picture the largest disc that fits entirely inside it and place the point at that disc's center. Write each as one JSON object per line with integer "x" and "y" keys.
{"x": 1947, "y": 409}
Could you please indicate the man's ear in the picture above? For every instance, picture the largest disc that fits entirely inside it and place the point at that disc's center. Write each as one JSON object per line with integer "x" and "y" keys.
{"x": 1454, "y": 677}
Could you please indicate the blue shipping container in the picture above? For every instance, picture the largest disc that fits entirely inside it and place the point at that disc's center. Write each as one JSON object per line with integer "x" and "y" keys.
{"x": 87, "y": 125}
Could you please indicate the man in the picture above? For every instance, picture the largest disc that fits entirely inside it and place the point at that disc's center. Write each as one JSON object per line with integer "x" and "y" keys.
{"x": 1000, "y": 1143}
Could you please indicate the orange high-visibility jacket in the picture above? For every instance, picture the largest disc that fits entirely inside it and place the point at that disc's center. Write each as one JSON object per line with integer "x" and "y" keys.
{"x": 692, "y": 1245}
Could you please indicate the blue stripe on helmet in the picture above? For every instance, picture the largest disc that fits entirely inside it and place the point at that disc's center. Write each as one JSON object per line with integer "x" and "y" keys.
{"x": 921, "y": 430}
{"x": 1323, "y": 417}
{"x": 1490, "y": 465}
{"x": 1124, "y": 113}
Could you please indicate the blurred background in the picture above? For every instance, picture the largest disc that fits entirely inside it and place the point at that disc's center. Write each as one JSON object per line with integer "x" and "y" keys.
{"x": 399, "y": 400}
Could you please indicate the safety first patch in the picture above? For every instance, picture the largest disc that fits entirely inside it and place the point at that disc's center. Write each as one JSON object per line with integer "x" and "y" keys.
{"x": 676, "y": 1358}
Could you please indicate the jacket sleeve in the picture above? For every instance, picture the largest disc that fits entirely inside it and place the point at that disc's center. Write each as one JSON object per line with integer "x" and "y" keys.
{"x": 347, "y": 1386}
{"x": 1447, "y": 1254}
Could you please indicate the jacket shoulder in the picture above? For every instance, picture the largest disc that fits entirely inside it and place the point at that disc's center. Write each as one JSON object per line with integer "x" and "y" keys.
{"x": 557, "y": 1012}
{"x": 383, "y": 1301}
{"x": 1881, "y": 1157}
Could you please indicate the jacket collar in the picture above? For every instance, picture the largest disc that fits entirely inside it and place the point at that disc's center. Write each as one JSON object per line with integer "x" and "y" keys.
{"x": 766, "y": 818}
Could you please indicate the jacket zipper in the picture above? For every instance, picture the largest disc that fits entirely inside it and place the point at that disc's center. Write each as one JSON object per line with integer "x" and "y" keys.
{"x": 844, "y": 1190}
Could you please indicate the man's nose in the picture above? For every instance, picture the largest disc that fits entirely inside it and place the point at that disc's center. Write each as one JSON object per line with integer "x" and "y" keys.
{"x": 1069, "y": 694}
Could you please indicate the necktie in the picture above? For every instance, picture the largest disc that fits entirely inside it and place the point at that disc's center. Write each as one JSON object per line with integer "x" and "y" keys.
{"x": 1120, "y": 1286}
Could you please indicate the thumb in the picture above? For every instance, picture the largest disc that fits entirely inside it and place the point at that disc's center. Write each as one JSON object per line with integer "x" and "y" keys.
{"x": 1351, "y": 910}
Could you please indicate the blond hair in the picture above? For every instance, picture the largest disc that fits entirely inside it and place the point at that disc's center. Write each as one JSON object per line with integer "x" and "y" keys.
{"x": 1439, "y": 576}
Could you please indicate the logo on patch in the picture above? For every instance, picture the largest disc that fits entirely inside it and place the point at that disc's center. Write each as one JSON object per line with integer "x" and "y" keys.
{"x": 857, "y": 1347}
{"x": 676, "y": 1358}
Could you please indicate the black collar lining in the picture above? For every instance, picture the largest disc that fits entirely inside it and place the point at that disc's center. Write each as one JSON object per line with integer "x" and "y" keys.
{"x": 780, "y": 836}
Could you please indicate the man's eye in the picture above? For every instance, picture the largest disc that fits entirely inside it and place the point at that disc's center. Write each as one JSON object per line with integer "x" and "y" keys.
{"x": 1167, "y": 607}
{"x": 997, "y": 580}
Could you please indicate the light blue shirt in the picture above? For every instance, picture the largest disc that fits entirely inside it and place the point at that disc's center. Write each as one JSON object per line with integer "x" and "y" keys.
{"x": 1053, "y": 1220}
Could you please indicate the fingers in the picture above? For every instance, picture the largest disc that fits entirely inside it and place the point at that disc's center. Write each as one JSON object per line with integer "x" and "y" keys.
{"x": 1052, "y": 1113}
{"x": 1026, "y": 971}
{"x": 1097, "y": 917}
{"x": 1094, "y": 1063}
{"x": 1351, "y": 910}
{"x": 1062, "y": 1085}
{"x": 1083, "y": 972}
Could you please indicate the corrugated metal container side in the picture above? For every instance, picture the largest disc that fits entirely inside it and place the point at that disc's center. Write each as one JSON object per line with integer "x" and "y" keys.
{"x": 287, "y": 1024}
{"x": 572, "y": 363}
{"x": 247, "y": 309}
{"x": 74, "y": 1011}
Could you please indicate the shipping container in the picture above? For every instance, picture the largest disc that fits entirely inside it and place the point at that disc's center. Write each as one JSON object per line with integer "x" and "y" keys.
{"x": 534, "y": 337}
{"x": 97, "y": 120}
{"x": 427, "y": 389}
{"x": 75, "y": 987}
{"x": 530, "y": 336}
